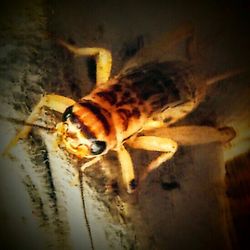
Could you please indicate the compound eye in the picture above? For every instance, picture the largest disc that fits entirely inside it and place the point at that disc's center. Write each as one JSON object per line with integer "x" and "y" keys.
{"x": 97, "y": 147}
{"x": 67, "y": 113}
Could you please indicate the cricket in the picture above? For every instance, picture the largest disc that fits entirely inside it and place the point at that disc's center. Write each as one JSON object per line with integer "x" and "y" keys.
{"x": 136, "y": 108}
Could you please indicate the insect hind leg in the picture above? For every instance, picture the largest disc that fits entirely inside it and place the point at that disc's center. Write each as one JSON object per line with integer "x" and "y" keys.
{"x": 193, "y": 135}
{"x": 54, "y": 102}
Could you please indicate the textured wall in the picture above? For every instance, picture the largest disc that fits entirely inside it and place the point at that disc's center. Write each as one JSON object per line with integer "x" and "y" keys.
{"x": 181, "y": 204}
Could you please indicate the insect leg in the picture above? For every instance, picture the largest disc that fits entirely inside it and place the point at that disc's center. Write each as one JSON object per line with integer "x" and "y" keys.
{"x": 103, "y": 59}
{"x": 153, "y": 124}
{"x": 192, "y": 47}
{"x": 154, "y": 143}
{"x": 127, "y": 169}
{"x": 193, "y": 135}
{"x": 173, "y": 114}
{"x": 171, "y": 39}
{"x": 90, "y": 163}
{"x": 54, "y": 102}
{"x": 225, "y": 75}
{"x": 167, "y": 41}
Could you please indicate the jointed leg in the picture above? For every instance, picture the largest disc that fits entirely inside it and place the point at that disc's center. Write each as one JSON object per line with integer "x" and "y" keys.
{"x": 90, "y": 163}
{"x": 153, "y": 143}
{"x": 103, "y": 60}
{"x": 192, "y": 47}
{"x": 176, "y": 113}
{"x": 225, "y": 75}
{"x": 172, "y": 38}
{"x": 153, "y": 124}
{"x": 167, "y": 41}
{"x": 127, "y": 168}
{"x": 193, "y": 135}
{"x": 54, "y": 102}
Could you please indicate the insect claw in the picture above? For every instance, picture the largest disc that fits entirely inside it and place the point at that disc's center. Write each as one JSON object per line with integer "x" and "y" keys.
{"x": 132, "y": 186}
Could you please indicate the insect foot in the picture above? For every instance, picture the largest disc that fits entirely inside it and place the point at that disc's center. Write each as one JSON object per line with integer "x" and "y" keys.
{"x": 133, "y": 185}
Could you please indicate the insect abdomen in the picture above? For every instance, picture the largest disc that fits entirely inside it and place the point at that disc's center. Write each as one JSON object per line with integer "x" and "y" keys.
{"x": 160, "y": 85}
{"x": 125, "y": 103}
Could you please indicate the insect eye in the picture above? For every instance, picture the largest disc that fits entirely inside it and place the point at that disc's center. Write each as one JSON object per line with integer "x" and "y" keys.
{"x": 97, "y": 147}
{"x": 67, "y": 113}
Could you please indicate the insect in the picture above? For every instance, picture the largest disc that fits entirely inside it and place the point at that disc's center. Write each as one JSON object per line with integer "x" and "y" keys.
{"x": 134, "y": 108}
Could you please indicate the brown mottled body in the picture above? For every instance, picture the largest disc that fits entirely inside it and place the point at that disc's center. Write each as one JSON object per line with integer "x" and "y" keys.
{"x": 118, "y": 109}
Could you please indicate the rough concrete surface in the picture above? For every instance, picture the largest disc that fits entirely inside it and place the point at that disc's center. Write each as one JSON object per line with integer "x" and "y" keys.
{"x": 183, "y": 203}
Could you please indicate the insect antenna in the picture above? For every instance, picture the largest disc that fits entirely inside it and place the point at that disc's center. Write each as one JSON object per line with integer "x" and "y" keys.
{"x": 24, "y": 123}
{"x": 85, "y": 210}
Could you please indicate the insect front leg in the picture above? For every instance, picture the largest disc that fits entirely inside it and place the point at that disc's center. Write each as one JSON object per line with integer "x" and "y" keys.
{"x": 54, "y": 102}
{"x": 154, "y": 143}
{"x": 127, "y": 169}
{"x": 103, "y": 60}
